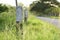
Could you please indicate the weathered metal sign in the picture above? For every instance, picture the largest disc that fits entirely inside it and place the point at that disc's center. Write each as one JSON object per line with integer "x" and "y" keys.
{"x": 19, "y": 14}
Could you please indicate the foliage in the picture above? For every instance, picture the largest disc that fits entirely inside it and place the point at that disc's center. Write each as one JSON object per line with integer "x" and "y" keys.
{"x": 52, "y": 2}
{"x": 53, "y": 11}
{"x": 41, "y": 5}
{"x": 34, "y": 29}
{"x": 3, "y": 8}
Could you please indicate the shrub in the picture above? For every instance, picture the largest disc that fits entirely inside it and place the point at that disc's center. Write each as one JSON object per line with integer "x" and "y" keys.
{"x": 53, "y": 11}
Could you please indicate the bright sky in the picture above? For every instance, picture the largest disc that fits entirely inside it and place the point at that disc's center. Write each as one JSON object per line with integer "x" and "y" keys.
{"x": 12, "y": 2}
{"x": 58, "y": 0}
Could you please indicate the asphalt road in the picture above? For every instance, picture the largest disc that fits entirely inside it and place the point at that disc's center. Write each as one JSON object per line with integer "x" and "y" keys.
{"x": 55, "y": 22}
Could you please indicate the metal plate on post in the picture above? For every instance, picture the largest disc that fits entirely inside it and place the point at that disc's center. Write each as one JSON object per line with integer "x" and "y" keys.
{"x": 19, "y": 14}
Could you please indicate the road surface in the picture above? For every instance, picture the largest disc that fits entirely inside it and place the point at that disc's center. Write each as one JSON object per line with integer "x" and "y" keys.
{"x": 55, "y": 22}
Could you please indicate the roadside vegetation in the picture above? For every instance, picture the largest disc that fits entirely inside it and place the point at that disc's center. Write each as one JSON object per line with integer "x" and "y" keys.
{"x": 34, "y": 29}
{"x": 46, "y": 8}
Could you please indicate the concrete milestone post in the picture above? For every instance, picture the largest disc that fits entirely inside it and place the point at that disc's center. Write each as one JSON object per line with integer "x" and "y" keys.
{"x": 25, "y": 15}
{"x": 19, "y": 18}
{"x": 19, "y": 14}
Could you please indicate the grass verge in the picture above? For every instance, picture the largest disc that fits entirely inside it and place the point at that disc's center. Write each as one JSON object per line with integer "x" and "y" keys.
{"x": 34, "y": 29}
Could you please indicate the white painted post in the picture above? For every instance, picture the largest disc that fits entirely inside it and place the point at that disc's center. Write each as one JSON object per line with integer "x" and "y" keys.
{"x": 19, "y": 14}
{"x": 19, "y": 18}
{"x": 25, "y": 15}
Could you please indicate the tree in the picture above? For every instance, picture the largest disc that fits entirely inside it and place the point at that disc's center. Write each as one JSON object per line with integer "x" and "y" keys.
{"x": 3, "y": 8}
{"x": 42, "y": 5}
{"x": 53, "y": 11}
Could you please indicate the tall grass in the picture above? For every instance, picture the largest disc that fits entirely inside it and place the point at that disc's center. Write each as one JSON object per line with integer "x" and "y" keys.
{"x": 34, "y": 29}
